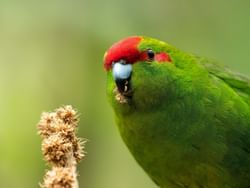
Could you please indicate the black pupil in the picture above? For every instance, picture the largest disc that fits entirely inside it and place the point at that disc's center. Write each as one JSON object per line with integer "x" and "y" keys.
{"x": 151, "y": 54}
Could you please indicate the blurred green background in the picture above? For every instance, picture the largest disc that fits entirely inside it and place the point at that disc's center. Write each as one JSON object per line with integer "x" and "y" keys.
{"x": 51, "y": 54}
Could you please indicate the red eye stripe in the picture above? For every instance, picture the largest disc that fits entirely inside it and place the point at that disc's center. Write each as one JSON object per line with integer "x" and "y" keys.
{"x": 160, "y": 57}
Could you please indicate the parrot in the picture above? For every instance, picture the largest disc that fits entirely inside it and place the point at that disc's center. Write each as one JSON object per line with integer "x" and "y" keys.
{"x": 183, "y": 117}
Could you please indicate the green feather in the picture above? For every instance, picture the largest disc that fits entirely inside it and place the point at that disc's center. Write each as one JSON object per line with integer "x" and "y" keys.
{"x": 238, "y": 82}
{"x": 188, "y": 121}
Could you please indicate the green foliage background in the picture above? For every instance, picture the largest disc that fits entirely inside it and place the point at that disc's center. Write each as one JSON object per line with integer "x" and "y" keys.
{"x": 51, "y": 54}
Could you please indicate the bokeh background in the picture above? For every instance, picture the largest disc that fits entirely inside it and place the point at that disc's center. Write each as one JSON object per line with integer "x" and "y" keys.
{"x": 51, "y": 54}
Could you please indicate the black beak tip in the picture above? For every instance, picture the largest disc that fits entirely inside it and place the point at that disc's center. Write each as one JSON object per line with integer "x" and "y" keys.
{"x": 123, "y": 85}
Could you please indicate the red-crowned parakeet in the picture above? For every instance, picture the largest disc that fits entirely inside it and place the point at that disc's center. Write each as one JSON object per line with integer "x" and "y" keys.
{"x": 184, "y": 118}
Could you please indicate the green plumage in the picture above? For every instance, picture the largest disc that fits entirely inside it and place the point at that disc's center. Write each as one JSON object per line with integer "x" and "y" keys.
{"x": 188, "y": 121}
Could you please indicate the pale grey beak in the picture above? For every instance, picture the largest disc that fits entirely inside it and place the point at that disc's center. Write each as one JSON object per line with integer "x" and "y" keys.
{"x": 122, "y": 74}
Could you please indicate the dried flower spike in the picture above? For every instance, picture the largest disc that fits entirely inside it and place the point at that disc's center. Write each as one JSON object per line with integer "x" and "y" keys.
{"x": 60, "y": 147}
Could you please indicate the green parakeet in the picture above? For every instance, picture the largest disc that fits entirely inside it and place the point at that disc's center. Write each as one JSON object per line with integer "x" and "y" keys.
{"x": 184, "y": 118}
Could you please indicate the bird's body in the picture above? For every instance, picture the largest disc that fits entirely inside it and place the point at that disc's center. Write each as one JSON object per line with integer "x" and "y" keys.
{"x": 185, "y": 119}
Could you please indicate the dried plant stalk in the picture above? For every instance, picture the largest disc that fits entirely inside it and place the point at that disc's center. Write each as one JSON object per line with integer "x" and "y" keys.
{"x": 60, "y": 147}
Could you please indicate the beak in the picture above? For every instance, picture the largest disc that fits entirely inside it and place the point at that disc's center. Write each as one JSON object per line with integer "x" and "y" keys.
{"x": 122, "y": 75}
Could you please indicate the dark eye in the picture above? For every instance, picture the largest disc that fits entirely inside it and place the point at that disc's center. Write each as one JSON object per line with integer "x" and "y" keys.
{"x": 150, "y": 54}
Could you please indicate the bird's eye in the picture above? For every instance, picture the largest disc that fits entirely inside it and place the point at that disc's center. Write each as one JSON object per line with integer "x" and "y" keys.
{"x": 150, "y": 54}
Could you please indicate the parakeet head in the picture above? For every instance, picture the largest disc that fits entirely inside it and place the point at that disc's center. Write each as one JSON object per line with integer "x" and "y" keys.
{"x": 143, "y": 71}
